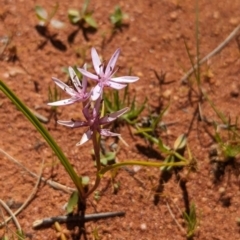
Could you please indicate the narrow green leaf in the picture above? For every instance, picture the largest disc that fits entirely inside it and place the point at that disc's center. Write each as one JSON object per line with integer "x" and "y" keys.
{"x": 46, "y": 135}
{"x": 90, "y": 20}
{"x": 85, "y": 6}
{"x": 180, "y": 142}
{"x": 41, "y": 13}
{"x": 72, "y": 202}
{"x": 74, "y": 16}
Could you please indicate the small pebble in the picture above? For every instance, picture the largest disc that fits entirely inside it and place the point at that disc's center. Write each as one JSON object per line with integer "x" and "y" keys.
{"x": 221, "y": 190}
{"x": 234, "y": 90}
{"x": 216, "y": 15}
{"x": 173, "y": 15}
{"x": 234, "y": 21}
{"x": 143, "y": 226}
{"x": 166, "y": 94}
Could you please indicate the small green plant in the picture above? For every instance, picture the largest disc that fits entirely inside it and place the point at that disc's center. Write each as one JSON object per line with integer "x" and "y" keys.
{"x": 45, "y": 19}
{"x": 174, "y": 154}
{"x": 229, "y": 144}
{"x": 83, "y": 16}
{"x": 114, "y": 102}
{"x": 118, "y": 17}
{"x": 151, "y": 123}
{"x": 191, "y": 221}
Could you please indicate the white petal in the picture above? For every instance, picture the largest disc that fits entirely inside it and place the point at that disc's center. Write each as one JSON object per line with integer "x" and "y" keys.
{"x": 96, "y": 61}
{"x": 63, "y": 102}
{"x": 64, "y": 87}
{"x": 86, "y": 136}
{"x": 97, "y": 90}
{"x": 125, "y": 79}
{"x": 116, "y": 85}
{"x": 112, "y": 62}
{"x": 107, "y": 133}
{"x": 72, "y": 124}
{"x": 113, "y": 116}
{"x": 75, "y": 79}
{"x": 88, "y": 74}
{"x": 84, "y": 79}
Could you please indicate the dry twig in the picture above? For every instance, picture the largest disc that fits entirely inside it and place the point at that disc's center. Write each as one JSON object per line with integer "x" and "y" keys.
{"x": 51, "y": 183}
{"x": 30, "y": 197}
{"x": 87, "y": 217}
{"x": 211, "y": 54}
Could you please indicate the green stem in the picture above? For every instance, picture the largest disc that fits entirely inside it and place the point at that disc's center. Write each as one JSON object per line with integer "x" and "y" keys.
{"x": 141, "y": 163}
{"x": 46, "y": 135}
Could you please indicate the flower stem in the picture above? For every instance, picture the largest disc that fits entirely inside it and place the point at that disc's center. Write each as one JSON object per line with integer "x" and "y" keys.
{"x": 96, "y": 146}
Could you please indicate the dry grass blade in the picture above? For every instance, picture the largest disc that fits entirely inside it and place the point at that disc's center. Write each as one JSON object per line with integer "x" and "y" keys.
{"x": 30, "y": 197}
{"x": 211, "y": 54}
{"x": 51, "y": 183}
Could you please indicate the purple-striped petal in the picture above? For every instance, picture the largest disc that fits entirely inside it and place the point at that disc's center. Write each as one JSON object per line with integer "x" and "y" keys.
{"x": 72, "y": 124}
{"x": 96, "y": 92}
{"x": 88, "y": 74}
{"x": 96, "y": 61}
{"x": 116, "y": 85}
{"x": 64, "y": 87}
{"x": 125, "y": 79}
{"x": 112, "y": 116}
{"x": 75, "y": 79}
{"x": 84, "y": 79}
{"x": 63, "y": 102}
{"x": 112, "y": 63}
{"x": 85, "y": 137}
{"x": 108, "y": 133}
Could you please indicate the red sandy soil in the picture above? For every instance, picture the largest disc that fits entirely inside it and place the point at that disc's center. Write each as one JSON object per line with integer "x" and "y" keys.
{"x": 153, "y": 39}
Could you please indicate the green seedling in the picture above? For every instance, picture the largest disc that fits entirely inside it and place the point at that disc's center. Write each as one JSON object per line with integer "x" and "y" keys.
{"x": 73, "y": 200}
{"x": 174, "y": 154}
{"x": 45, "y": 19}
{"x": 229, "y": 148}
{"x": 114, "y": 102}
{"x": 179, "y": 147}
{"x": 118, "y": 17}
{"x": 191, "y": 221}
{"x": 83, "y": 16}
{"x": 152, "y": 124}
{"x": 108, "y": 158}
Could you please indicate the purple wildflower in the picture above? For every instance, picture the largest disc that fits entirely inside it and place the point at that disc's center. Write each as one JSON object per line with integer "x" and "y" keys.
{"x": 77, "y": 94}
{"x": 94, "y": 122}
{"x": 104, "y": 76}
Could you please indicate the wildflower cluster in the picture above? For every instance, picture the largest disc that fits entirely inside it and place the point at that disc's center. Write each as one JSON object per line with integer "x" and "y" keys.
{"x": 104, "y": 78}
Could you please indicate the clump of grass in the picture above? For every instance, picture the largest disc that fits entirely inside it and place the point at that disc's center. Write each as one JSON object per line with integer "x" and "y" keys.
{"x": 191, "y": 221}
{"x": 115, "y": 102}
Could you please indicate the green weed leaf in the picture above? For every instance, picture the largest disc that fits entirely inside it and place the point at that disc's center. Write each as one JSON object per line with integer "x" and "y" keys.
{"x": 90, "y": 20}
{"x": 41, "y": 13}
{"x": 72, "y": 202}
{"x": 74, "y": 16}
